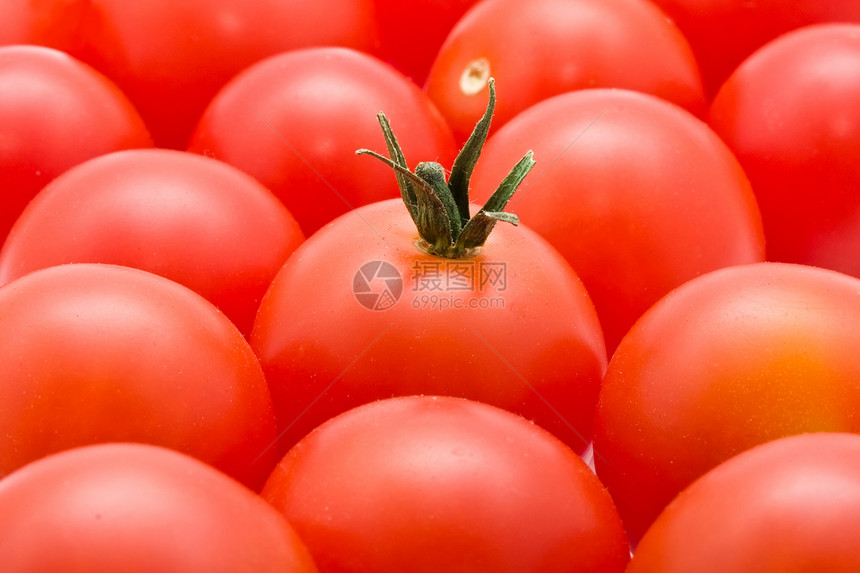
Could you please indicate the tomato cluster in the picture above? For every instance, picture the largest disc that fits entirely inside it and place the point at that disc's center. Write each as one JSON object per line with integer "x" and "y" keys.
{"x": 287, "y": 286}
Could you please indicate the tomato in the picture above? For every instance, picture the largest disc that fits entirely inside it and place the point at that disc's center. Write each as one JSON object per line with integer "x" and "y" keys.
{"x": 55, "y": 112}
{"x": 399, "y": 297}
{"x": 139, "y": 508}
{"x": 790, "y": 115}
{"x": 94, "y": 353}
{"x": 295, "y": 120}
{"x": 788, "y": 505}
{"x": 192, "y": 219}
{"x": 727, "y": 361}
{"x": 171, "y": 57}
{"x": 409, "y": 47}
{"x": 426, "y": 483}
{"x": 547, "y": 47}
{"x": 636, "y": 193}
{"x": 723, "y": 33}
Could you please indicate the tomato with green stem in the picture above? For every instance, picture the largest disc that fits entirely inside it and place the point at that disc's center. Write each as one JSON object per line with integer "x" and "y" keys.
{"x": 444, "y": 308}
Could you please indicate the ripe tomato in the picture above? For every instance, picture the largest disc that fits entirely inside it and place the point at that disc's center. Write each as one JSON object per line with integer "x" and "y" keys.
{"x": 512, "y": 326}
{"x": 55, "y": 112}
{"x": 439, "y": 307}
{"x": 171, "y": 57}
{"x": 723, "y": 33}
{"x": 411, "y": 33}
{"x": 95, "y": 353}
{"x": 636, "y": 193}
{"x": 788, "y": 505}
{"x": 295, "y": 120}
{"x": 194, "y": 220}
{"x": 139, "y": 508}
{"x": 790, "y": 115}
{"x": 729, "y": 360}
{"x": 425, "y": 483}
{"x": 546, "y": 47}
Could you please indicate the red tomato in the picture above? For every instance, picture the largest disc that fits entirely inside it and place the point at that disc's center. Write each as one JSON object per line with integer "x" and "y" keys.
{"x": 636, "y": 193}
{"x": 729, "y": 360}
{"x": 425, "y": 483}
{"x": 171, "y": 57}
{"x": 543, "y": 48}
{"x": 139, "y": 508}
{"x": 411, "y": 33}
{"x": 95, "y": 353}
{"x": 723, "y": 33}
{"x": 511, "y": 326}
{"x": 191, "y": 219}
{"x": 788, "y": 505}
{"x": 790, "y": 115}
{"x": 295, "y": 120}
{"x": 55, "y": 112}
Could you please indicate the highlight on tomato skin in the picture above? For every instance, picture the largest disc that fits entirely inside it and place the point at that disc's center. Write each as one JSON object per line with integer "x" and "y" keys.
{"x": 791, "y": 504}
{"x": 139, "y": 508}
{"x": 789, "y": 113}
{"x": 433, "y": 483}
{"x": 93, "y": 353}
{"x": 55, "y": 112}
{"x": 294, "y": 120}
{"x": 192, "y": 219}
{"x": 729, "y": 360}
{"x": 636, "y": 193}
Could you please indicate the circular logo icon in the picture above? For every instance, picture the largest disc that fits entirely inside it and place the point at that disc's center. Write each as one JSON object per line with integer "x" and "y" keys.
{"x": 377, "y": 285}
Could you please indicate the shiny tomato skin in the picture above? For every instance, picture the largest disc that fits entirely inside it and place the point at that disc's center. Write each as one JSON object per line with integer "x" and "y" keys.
{"x": 788, "y": 505}
{"x": 530, "y": 343}
{"x": 171, "y": 58}
{"x": 55, "y": 112}
{"x": 93, "y": 353}
{"x": 790, "y": 115}
{"x": 426, "y": 483}
{"x": 723, "y": 33}
{"x": 295, "y": 120}
{"x": 727, "y": 361}
{"x": 544, "y": 48}
{"x": 636, "y": 193}
{"x": 139, "y": 508}
{"x": 192, "y": 219}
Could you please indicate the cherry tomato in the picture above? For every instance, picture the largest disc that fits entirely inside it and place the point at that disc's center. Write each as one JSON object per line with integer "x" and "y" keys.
{"x": 636, "y": 193}
{"x": 411, "y": 33}
{"x": 94, "y": 353}
{"x": 727, "y": 361}
{"x": 295, "y": 120}
{"x": 55, "y": 112}
{"x": 789, "y": 505}
{"x": 425, "y": 483}
{"x": 191, "y": 219}
{"x": 546, "y": 47}
{"x": 790, "y": 115}
{"x": 512, "y": 326}
{"x": 172, "y": 57}
{"x": 723, "y": 33}
{"x": 139, "y": 508}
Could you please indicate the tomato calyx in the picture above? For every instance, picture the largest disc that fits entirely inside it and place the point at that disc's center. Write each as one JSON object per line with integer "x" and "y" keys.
{"x": 439, "y": 206}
